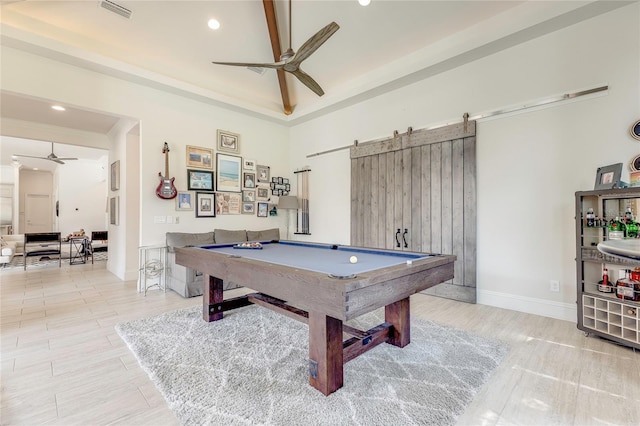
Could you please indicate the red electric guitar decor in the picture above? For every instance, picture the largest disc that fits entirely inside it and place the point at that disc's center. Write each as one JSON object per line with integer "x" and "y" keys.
{"x": 166, "y": 190}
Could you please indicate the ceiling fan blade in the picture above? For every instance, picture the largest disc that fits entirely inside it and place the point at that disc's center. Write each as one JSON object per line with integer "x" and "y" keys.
{"x": 56, "y": 160}
{"x": 314, "y": 43}
{"x": 308, "y": 81}
{"x": 30, "y": 156}
{"x": 61, "y": 158}
{"x": 249, "y": 64}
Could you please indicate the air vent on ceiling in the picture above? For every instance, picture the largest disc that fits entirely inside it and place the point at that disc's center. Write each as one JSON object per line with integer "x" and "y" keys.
{"x": 115, "y": 8}
{"x": 259, "y": 70}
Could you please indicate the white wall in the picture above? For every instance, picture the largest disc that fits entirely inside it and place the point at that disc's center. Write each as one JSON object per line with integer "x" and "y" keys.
{"x": 529, "y": 165}
{"x": 82, "y": 192}
{"x": 163, "y": 117}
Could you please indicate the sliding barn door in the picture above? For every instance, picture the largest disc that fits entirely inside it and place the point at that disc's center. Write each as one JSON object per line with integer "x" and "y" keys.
{"x": 417, "y": 192}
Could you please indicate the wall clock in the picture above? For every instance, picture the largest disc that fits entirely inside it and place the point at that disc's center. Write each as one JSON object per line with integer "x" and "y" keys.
{"x": 635, "y": 130}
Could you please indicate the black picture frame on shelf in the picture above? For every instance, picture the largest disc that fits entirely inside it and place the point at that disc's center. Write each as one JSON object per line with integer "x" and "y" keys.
{"x": 608, "y": 177}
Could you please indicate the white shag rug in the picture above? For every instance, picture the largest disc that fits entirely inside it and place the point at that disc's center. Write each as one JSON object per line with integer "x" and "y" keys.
{"x": 251, "y": 368}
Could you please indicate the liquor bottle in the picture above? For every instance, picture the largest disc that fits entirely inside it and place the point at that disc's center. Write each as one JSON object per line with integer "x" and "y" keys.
{"x": 605, "y": 286}
{"x": 616, "y": 229}
{"x": 628, "y": 216}
{"x": 625, "y": 287}
{"x": 591, "y": 218}
{"x": 632, "y": 229}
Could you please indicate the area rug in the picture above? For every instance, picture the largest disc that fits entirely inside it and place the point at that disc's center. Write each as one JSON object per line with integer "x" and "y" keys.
{"x": 252, "y": 368}
{"x": 48, "y": 261}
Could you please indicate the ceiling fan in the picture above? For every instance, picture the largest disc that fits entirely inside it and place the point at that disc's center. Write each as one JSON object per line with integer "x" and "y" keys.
{"x": 290, "y": 61}
{"x": 51, "y": 157}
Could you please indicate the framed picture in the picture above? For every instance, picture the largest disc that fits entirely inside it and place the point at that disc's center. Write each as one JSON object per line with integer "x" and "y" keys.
{"x": 184, "y": 200}
{"x": 228, "y": 203}
{"x": 248, "y": 208}
{"x": 199, "y": 157}
{"x": 608, "y": 177}
{"x": 263, "y": 173}
{"x": 248, "y": 164}
{"x": 248, "y": 180}
{"x": 115, "y": 175}
{"x": 229, "y": 142}
{"x": 205, "y": 204}
{"x": 114, "y": 214}
{"x": 197, "y": 179}
{"x": 248, "y": 196}
{"x": 262, "y": 193}
{"x": 228, "y": 171}
{"x": 263, "y": 209}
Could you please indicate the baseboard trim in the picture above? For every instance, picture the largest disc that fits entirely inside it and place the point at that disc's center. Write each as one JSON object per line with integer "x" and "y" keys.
{"x": 530, "y": 305}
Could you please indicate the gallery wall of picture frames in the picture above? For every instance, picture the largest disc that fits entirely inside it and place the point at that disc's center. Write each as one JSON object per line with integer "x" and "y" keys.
{"x": 221, "y": 182}
{"x": 280, "y": 186}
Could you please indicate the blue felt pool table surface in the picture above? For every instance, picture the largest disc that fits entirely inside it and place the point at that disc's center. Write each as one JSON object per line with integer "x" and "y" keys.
{"x": 324, "y": 258}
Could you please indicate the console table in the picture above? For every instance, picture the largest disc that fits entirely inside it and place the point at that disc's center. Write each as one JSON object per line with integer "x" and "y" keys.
{"x": 42, "y": 244}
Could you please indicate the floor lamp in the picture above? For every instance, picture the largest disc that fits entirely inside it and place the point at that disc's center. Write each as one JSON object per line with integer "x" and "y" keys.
{"x": 288, "y": 202}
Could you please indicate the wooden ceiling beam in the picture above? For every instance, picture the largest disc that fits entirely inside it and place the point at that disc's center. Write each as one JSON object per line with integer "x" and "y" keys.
{"x": 272, "y": 24}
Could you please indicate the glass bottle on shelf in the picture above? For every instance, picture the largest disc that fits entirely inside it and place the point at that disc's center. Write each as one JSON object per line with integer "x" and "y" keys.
{"x": 630, "y": 224}
{"x": 605, "y": 286}
{"x": 625, "y": 286}
{"x": 632, "y": 229}
{"x": 591, "y": 218}
{"x": 616, "y": 229}
{"x": 628, "y": 216}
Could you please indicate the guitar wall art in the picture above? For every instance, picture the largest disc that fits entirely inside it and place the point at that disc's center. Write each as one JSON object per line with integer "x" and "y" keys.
{"x": 166, "y": 190}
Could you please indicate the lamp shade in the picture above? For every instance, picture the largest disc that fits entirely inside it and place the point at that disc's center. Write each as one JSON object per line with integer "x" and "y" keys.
{"x": 288, "y": 202}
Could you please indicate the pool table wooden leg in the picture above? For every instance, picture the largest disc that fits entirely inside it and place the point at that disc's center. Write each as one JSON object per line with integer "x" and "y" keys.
{"x": 398, "y": 315}
{"x": 211, "y": 294}
{"x": 325, "y": 353}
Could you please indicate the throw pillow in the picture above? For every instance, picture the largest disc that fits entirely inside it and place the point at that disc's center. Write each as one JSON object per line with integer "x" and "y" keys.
{"x": 183, "y": 239}
{"x": 224, "y": 236}
{"x": 264, "y": 235}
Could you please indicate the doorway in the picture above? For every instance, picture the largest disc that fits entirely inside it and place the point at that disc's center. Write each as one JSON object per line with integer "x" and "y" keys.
{"x": 37, "y": 213}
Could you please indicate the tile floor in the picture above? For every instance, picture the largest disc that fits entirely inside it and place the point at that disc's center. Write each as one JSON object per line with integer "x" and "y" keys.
{"x": 62, "y": 363}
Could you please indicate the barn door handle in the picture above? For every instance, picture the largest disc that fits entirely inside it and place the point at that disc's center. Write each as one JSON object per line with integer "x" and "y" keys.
{"x": 404, "y": 237}
{"x": 397, "y": 239}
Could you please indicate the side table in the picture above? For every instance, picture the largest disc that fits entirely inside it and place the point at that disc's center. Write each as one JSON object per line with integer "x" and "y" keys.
{"x": 79, "y": 250}
{"x": 152, "y": 269}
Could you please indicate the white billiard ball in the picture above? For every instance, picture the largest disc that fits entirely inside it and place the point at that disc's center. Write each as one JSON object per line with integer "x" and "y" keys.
{"x": 353, "y": 259}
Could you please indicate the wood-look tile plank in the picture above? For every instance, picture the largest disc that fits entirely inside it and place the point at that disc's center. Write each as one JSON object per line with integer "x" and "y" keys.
{"x": 63, "y": 362}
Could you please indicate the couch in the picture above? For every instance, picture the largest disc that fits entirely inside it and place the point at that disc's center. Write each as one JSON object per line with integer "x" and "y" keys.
{"x": 11, "y": 245}
{"x": 187, "y": 282}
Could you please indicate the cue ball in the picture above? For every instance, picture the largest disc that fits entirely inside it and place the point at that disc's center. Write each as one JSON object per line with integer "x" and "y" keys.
{"x": 353, "y": 259}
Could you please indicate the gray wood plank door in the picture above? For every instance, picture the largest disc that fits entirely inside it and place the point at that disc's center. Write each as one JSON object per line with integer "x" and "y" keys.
{"x": 417, "y": 192}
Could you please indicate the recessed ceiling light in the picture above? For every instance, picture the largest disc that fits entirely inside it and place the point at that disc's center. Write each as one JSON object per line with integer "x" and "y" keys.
{"x": 364, "y": 2}
{"x": 58, "y": 108}
{"x": 213, "y": 24}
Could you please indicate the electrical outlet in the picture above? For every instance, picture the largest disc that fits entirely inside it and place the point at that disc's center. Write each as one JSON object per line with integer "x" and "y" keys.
{"x": 554, "y": 286}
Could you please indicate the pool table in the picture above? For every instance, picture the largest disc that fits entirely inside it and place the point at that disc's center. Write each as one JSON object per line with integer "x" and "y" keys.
{"x": 318, "y": 284}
